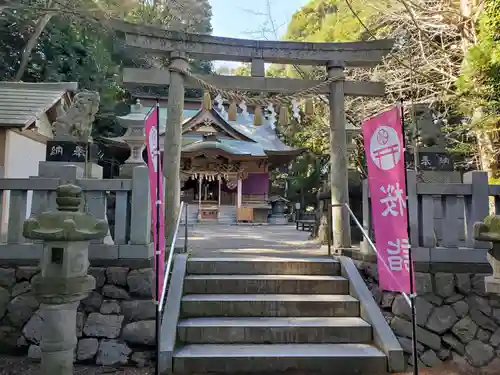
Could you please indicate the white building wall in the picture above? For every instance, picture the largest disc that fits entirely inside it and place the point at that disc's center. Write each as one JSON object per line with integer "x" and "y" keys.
{"x": 22, "y": 156}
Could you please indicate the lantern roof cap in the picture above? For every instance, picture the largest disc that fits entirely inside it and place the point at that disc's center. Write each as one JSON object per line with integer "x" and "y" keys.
{"x": 67, "y": 223}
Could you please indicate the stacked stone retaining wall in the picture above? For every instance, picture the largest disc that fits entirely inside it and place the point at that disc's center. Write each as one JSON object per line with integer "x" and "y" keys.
{"x": 457, "y": 321}
{"x": 115, "y": 323}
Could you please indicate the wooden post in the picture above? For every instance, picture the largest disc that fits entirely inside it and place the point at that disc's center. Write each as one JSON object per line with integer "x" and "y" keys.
{"x": 220, "y": 189}
{"x": 200, "y": 182}
{"x": 219, "y": 179}
{"x": 238, "y": 194}
{"x": 338, "y": 161}
{"x": 173, "y": 144}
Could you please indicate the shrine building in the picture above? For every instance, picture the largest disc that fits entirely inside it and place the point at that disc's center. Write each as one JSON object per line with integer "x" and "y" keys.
{"x": 224, "y": 164}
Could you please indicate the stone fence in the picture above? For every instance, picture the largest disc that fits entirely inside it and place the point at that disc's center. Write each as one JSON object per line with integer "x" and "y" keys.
{"x": 441, "y": 218}
{"x": 125, "y": 203}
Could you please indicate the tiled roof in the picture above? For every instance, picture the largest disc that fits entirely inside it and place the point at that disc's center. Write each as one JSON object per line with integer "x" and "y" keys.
{"x": 264, "y": 136}
{"x": 22, "y": 103}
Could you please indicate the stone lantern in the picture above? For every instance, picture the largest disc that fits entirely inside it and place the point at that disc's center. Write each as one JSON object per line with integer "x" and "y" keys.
{"x": 351, "y": 132}
{"x": 133, "y": 137}
{"x": 278, "y": 209}
{"x": 489, "y": 230}
{"x": 63, "y": 281}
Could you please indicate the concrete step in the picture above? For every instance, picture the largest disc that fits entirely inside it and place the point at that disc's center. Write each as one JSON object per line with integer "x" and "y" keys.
{"x": 299, "y": 305}
{"x": 344, "y": 359}
{"x": 263, "y": 266}
{"x": 274, "y": 284}
{"x": 264, "y": 330}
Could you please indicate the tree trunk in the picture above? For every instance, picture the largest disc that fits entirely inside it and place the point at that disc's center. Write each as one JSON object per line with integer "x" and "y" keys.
{"x": 33, "y": 40}
{"x": 487, "y": 146}
{"x": 315, "y": 231}
{"x": 320, "y": 232}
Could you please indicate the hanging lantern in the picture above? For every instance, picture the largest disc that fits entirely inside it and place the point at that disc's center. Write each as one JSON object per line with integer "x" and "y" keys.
{"x": 233, "y": 112}
{"x": 309, "y": 110}
{"x": 207, "y": 101}
{"x": 283, "y": 117}
{"x": 257, "y": 116}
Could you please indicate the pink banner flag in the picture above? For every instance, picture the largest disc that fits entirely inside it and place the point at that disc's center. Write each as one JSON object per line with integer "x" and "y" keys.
{"x": 154, "y": 164}
{"x": 383, "y": 139}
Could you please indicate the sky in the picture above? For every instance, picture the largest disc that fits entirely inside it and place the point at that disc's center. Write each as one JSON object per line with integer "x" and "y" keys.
{"x": 250, "y": 19}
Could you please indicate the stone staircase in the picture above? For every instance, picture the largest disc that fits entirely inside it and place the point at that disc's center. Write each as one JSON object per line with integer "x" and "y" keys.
{"x": 271, "y": 315}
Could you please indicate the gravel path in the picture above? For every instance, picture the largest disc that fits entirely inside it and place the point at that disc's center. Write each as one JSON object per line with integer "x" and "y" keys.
{"x": 24, "y": 366}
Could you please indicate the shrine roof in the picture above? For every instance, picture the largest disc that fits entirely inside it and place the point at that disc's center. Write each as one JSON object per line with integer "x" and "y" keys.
{"x": 21, "y": 104}
{"x": 232, "y": 146}
{"x": 264, "y": 137}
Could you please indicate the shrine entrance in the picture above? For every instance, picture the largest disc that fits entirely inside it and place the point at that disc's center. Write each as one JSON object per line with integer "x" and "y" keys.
{"x": 209, "y": 194}
{"x": 180, "y": 47}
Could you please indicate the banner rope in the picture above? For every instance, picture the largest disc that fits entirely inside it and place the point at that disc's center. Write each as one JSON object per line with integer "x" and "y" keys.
{"x": 281, "y": 100}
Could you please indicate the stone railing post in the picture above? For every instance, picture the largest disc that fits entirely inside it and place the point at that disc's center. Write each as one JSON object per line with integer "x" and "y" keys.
{"x": 489, "y": 230}
{"x": 477, "y": 205}
{"x": 63, "y": 281}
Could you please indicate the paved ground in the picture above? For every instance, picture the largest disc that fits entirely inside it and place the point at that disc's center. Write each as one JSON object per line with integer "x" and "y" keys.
{"x": 247, "y": 241}
{"x": 23, "y": 366}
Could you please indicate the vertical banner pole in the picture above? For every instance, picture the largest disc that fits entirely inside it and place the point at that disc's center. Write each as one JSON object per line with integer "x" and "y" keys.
{"x": 185, "y": 228}
{"x": 413, "y": 293}
{"x": 329, "y": 225}
{"x": 157, "y": 247}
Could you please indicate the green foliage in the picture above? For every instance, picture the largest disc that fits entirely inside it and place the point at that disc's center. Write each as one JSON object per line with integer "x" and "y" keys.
{"x": 331, "y": 21}
{"x": 68, "y": 50}
{"x": 479, "y": 82}
{"x": 74, "y": 47}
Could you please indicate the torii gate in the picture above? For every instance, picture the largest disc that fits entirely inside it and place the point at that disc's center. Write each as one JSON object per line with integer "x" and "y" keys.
{"x": 180, "y": 46}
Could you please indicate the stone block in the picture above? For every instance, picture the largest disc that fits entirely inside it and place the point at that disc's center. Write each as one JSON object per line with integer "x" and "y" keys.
{"x": 115, "y": 292}
{"x": 441, "y": 319}
{"x": 444, "y": 284}
{"x": 117, "y": 275}
{"x": 136, "y": 251}
{"x": 401, "y": 308}
{"x": 461, "y": 308}
{"x": 140, "y": 282}
{"x": 86, "y": 349}
{"x": 103, "y": 252}
{"x": 465, "y": 329}
{"x": 138, "y": 310}
{"x": 99, "y": 325}
{"x": 112, "y": 352}
{"x": 140, "y": 333}
{"x": 403, "y": 328}
{"x": 479, "y": 354}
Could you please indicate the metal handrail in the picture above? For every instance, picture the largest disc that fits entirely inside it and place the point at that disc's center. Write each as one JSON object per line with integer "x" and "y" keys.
{"x": 370, "y": 242}
{"x": 183, "y": 206}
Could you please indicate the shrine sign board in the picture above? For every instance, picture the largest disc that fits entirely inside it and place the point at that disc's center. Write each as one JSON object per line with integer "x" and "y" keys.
{"x": 434, "y": 161}
{"x": 72, "y": 151}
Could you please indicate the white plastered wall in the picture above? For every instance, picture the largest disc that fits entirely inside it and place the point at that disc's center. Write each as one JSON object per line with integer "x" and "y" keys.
{"x": 22, "y": 155}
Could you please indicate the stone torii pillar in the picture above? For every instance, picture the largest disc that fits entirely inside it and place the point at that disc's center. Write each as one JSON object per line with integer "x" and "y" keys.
{"x": 173, "y": 143}
{"x": 338, "y": 160}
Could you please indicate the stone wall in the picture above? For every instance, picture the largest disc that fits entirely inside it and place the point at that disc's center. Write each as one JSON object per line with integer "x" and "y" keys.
{"x": 456, "y": 319}
{"x": 115, "y": 323}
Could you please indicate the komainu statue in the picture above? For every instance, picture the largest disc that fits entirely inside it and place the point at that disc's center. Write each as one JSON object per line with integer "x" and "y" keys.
{"x": 76, "y": 122}
{"x": 489, "y": 231}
